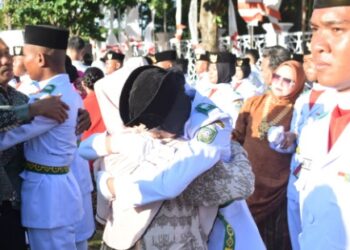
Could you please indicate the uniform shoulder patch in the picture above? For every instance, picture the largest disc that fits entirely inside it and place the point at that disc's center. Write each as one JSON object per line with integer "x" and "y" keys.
{"x": 205, "y": 108}
{"x": 48, "y": 89}
{"x": 207, "y": 134}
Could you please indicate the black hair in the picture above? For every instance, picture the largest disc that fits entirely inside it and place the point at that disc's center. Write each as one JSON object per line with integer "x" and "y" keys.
{"x": 277, "y": 55}
{"x": 76, "y": 43}
{"x": 92, "y": 75}
{"x": 148, "y": 60}
{"x": 87, "y": 59}
{"x": 254, "y": 53}
{"x": 71, "y": 70}
{"x": 246, "y": 70}
{"x": 225, "y": 72}
{"x": 181, "y": 64}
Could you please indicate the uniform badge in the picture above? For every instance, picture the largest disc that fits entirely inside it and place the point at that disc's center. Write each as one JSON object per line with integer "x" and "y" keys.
{"x": 205, "y": 108}
{"x": 239, "y": 62}
{"x": 207, "y": 134}
{"x": 48, "y": 89}
{"x": 109, "y": 56}
{"x": 213, "y": 58}
{"x": 18, "y": 50}
{"x": 306, "y": 164}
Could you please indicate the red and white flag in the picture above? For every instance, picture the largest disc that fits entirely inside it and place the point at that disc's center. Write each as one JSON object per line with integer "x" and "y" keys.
{"x": 253, "y": 11}
{"x": 232, "y": 24}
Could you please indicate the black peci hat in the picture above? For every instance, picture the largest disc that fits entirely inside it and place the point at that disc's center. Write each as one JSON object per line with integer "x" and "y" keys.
{"x": 112, "y": 55}
{"x": 168, "y": 55}
{"x": 46, "y": 36}
{"x": 202, "y": 57}
{"x": 222, "y": 57}
{"x": 150, "y": 95}
{"x": 318, "y": 4}
{"x": 242, "y": 62}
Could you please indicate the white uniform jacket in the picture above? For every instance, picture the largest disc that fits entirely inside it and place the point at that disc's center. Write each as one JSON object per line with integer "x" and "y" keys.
{"x": 108, "y": 91}
{"x": 225, "y": 98}
{"x": 49, "y": 201}
{"x": 301, "y": 114}
{"x": 207, "y": 134}
{"x": 324, "y": 187}
{"x": 246, "y": 88}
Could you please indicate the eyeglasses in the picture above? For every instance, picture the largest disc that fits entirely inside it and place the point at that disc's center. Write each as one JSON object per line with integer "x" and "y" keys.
{"x": 285, "y": 81}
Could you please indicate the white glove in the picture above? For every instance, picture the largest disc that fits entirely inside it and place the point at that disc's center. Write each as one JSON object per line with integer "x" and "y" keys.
{"x": 276, "y": 136}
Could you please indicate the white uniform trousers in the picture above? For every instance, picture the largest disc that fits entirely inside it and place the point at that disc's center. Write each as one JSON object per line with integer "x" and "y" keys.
{"x": 85, "y": 228}
{"x": 61, "y": 238}
{"x": 293, "y": 213}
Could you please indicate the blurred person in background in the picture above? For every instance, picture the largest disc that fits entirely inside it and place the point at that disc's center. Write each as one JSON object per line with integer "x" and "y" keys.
{"x": 268, "y": 203}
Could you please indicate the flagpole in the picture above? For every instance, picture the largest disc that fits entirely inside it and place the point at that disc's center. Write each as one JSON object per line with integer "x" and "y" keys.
{"x": 303, "y": 18}
{"x": 251, "y": 35}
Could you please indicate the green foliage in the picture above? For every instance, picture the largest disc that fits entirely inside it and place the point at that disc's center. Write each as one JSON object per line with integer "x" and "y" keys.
{"x": 79, "y": 16}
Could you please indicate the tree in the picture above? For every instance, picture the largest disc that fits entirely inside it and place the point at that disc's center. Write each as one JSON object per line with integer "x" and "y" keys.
{"x": 211, "y": 12}
{"x": 79, "y": 16}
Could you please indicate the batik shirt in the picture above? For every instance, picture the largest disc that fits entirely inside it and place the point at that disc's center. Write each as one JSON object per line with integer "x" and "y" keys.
{"x": 13, "y": 110}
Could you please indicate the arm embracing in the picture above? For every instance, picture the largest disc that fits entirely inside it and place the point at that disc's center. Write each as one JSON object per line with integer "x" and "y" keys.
{"x": 225, "y": 182}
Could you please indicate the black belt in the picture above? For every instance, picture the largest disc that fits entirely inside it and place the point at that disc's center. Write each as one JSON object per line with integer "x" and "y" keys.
{"x": 42, "y": 169}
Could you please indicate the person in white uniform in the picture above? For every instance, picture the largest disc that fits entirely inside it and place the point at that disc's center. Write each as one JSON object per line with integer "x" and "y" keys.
{"x": 21, "y": 81}
{"x": 218, "y": 88}
{"x": 113, "y": 61}
{"x": 323, "y": 183}
{"x": 308, "y": 106}
{"x": 51, "y": 199}
{"x": 84, "y": 228}
{"x": 255, "y": 76}
{"x": 201, "y": 68}
{"x": 76, "y": 52}
{"x": 166, "y": 160}
{"x": 242, "y": 83}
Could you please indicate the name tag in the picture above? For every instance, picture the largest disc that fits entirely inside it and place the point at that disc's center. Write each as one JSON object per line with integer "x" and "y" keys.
{"x": 306, "y": 164}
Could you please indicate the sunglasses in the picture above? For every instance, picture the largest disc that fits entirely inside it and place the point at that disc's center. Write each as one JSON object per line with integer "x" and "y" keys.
{"x": 285, "y": 81}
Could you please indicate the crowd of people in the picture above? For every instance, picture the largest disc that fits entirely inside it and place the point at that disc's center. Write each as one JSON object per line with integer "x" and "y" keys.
{"x": 249, "y": 155}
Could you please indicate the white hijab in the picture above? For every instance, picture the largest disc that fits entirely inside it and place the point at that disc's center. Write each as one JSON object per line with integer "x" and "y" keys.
{"x": 108, "y": 91}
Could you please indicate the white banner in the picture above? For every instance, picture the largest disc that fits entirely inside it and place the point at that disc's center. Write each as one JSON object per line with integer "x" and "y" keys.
{"x": 193, "y": 21}
{"x": 132, "y": 28}
{"x": 178, "y": 12}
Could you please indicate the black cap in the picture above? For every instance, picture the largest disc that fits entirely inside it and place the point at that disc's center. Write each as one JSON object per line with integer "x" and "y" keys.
{"x": 46, "y": 36}
{"x": 318, "y": 4}
{"x": 149, "y": 96}
{"x": 17, "y": 50}
{"x": 222, "y": 57}
{"x": 168, "y": 55}
{"x": 202, "y": 57}
{"x": 242, "y": 62}
{"x": 112, "y": 55}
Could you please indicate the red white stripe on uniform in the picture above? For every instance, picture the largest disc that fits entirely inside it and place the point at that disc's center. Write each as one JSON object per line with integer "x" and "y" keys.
{"x": 253, "y": 11}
